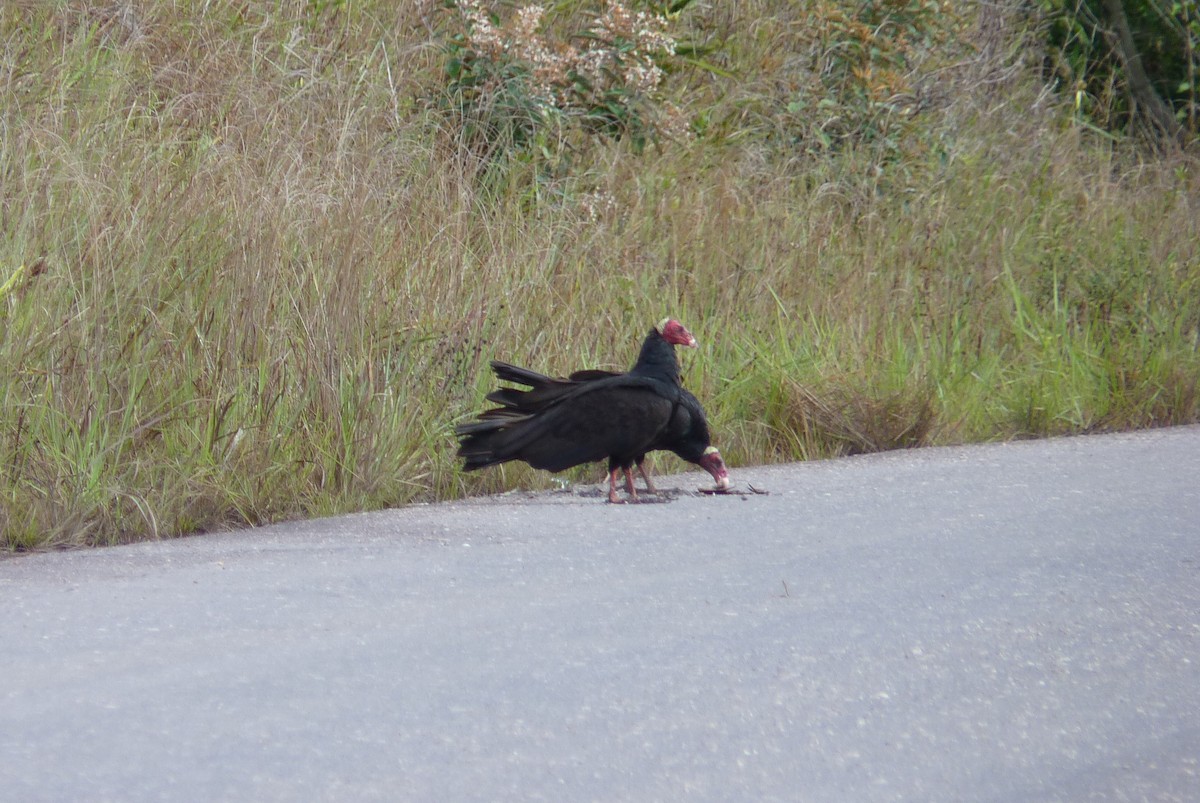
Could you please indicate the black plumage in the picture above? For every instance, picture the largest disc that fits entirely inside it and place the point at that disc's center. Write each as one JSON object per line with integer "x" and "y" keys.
{"x": 593, "y": 415}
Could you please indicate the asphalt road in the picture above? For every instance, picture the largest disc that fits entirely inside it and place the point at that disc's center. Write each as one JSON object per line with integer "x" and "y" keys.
{"x": 1003, "y": 622}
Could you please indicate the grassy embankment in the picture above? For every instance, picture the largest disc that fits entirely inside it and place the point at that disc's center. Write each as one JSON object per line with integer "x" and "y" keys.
{"x": 261, "y": 281}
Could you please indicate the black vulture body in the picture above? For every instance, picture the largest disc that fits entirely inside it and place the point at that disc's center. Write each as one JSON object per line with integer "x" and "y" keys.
{"x": 593, "y": 415}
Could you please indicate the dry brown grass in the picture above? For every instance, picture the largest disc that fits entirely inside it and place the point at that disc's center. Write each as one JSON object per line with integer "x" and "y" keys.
{"x": 264, "y": 278}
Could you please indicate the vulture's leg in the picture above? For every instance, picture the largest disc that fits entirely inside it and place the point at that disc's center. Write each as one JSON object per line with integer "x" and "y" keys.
{"x": 629, "y": 484}
{"x": 612, "y": 487}
{"x": 646, "y": 476}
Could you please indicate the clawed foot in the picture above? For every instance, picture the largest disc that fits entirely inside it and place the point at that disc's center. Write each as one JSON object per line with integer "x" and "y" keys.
{"x": 631, "y": 499}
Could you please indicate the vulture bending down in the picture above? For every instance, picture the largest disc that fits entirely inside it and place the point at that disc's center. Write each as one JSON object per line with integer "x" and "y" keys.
{"x": 593, "y": 415}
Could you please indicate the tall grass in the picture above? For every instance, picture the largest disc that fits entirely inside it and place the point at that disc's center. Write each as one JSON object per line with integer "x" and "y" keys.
{"x": 261, "y": 279}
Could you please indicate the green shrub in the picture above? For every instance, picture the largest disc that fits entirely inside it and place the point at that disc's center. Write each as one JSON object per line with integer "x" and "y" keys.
{"x": 1128, "y": 63}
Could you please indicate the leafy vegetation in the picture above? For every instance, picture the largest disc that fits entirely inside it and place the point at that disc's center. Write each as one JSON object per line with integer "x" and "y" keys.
{"x": 254, "y": 257}
{"x": 1130, "y": 64}
{"x": 512, "y": 88}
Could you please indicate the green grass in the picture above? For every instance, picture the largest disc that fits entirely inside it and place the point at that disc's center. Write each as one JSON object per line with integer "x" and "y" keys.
{"x": 263, "y": 282}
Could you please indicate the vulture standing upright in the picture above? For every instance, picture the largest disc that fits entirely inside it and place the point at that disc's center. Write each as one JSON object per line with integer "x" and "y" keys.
{"x": 592, "y": 415}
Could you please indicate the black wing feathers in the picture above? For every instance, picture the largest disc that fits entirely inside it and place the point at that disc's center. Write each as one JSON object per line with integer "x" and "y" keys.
{"x": 591, "y": 415}
{"x": 617, "y": 417}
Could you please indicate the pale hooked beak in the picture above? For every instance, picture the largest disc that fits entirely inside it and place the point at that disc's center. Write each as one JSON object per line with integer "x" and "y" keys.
{"x": 713, "y": 464}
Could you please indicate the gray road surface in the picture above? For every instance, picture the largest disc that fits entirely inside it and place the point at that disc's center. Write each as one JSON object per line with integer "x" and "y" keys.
{"x": 1004, "y": 622}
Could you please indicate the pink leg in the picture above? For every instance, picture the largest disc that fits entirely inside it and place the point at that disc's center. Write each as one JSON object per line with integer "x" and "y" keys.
{"x": 646, "y": 476}
{"x": 612, "y": 487}
{"x": 629, "y": 484}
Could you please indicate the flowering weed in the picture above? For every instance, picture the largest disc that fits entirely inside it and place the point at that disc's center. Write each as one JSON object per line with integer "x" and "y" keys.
{"x": 513, "y": 86}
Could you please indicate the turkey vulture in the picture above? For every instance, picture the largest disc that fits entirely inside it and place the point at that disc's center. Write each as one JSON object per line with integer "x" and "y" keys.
{"x": 560, "y": 423}
{"x": 656, "y": 359}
